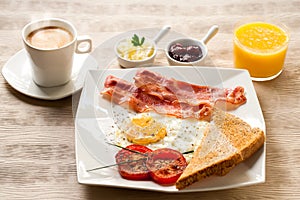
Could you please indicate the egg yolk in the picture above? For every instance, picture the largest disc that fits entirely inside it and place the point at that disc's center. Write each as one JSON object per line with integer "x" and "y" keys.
{"x": 145, "y": 130}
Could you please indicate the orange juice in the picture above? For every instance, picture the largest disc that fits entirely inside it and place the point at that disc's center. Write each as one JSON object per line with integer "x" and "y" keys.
{"x": 260, "y": 48}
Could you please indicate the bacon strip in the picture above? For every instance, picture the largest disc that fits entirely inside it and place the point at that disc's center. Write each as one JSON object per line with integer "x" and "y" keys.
{"x": 123, "y": 92}
{"x": 171, "y": 89}
{"x": 153, "y": 92}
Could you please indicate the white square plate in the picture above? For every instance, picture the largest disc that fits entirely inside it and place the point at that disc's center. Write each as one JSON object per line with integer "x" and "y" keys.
{"x": 93, "y": 110}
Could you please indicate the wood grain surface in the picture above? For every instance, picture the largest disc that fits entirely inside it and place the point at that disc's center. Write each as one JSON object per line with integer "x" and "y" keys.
{"x": 37, "y": 154}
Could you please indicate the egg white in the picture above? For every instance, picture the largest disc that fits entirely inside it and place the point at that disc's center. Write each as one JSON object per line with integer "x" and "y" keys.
{"x": 183, "y": 135}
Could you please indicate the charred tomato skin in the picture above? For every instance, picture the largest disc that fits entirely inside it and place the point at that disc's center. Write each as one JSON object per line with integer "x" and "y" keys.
{"x": 166, "y": 165}
{"x": 133, "y": 170}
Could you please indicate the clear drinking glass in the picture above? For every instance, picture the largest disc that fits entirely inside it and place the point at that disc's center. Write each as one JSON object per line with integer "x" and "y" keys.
{"x": 260, "y": 47}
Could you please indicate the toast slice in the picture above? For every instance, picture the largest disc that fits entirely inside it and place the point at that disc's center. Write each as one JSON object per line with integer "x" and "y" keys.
{"x": 228, "y": 141}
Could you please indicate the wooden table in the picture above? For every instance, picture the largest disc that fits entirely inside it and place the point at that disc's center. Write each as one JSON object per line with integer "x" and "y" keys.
{"x": 37, "y": 155}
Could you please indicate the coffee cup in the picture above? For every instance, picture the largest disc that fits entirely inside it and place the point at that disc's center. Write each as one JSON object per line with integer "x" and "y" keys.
{"x": 50, "y": 44}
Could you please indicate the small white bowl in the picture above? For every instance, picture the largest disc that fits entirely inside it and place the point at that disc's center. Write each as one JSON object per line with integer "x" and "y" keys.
{"x": 190, "y": 42}
{"x": 148, "y": 61}
{"x": 127, "y": 63}
{"x": 187, "y": 42}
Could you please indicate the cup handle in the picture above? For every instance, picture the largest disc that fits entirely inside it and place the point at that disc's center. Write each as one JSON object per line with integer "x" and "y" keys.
{"x": 86, "y": 46}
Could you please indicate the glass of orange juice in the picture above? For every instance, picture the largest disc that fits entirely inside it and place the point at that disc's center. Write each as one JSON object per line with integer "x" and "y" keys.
{"x": 260, "y": 47}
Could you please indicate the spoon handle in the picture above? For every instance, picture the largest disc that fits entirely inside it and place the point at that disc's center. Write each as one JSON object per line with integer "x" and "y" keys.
{"x": 161, "y": 33}
{"x": 211, "y": 33}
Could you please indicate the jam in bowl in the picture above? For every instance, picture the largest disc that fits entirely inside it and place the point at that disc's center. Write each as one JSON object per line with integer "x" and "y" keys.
{"x": 188, "y": 51}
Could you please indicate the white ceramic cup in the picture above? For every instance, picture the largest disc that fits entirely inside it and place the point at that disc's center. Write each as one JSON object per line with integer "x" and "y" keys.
{"x": 53, "y": 67}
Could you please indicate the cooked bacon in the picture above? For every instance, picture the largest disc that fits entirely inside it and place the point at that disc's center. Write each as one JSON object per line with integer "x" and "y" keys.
{"x": 121, "y": 91}
{"x": 153, "y": 92}
{"x": 171, "y": 89}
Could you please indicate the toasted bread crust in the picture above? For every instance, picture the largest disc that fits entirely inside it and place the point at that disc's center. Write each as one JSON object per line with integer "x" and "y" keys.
{"x": 254, "y": 145}
{"x": 238, "y": 134}
{"x": 219, "y": 168}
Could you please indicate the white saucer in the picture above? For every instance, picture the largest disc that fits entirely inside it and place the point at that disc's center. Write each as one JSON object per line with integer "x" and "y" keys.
{"x": 17, "y": 72}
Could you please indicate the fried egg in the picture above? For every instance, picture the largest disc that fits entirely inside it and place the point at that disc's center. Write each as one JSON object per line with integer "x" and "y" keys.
{"x": 154, "y": 130}
{"x": 143, "y": 129}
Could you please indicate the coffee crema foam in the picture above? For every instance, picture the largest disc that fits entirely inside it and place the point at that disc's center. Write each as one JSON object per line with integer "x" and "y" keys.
{"x": 50, "y": 37}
